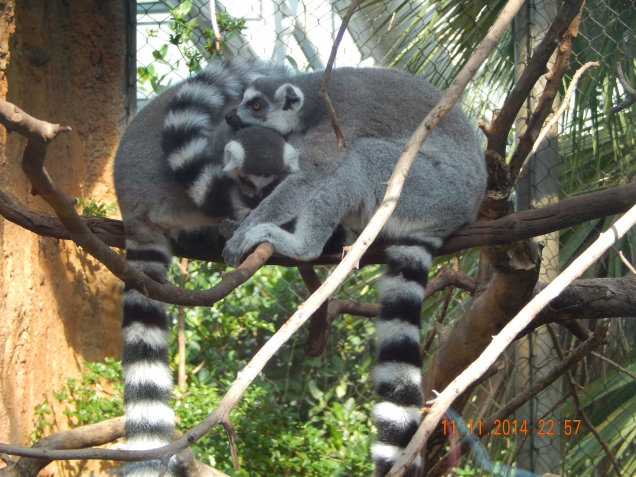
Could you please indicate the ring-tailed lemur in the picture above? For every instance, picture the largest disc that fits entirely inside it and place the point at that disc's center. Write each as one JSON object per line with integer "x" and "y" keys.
{"x": 156, "y": 206}
{"x": 377, "y": 111}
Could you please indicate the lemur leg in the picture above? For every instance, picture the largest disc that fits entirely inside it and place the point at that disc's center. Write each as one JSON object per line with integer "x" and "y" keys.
{"x": 312, "y": 206}
{"x": 147, "y": 377}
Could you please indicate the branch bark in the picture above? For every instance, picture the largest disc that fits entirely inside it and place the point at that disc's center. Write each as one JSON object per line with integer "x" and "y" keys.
{"x": 513, "y": 227}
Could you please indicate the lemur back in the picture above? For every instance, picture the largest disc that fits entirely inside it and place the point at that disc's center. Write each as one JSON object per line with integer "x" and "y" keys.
{"x": 153, "y": 164}
{"x": 377, "y": 109}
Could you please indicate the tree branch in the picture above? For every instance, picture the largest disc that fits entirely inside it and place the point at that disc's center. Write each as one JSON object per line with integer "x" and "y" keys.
{"x": 497, "y": 130}
{"x": 513, "y": 227}
{"x": 325, "y": 79}
{"x": 520, "y": 399}
{"x": 544, "y": 105}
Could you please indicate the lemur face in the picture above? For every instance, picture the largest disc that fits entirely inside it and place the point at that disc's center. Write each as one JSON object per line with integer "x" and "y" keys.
{"x": 257, "y": 157}
{"x": 279, "y": 112}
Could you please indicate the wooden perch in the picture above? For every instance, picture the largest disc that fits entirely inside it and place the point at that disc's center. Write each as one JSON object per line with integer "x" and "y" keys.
{"x": 517, "y": 226}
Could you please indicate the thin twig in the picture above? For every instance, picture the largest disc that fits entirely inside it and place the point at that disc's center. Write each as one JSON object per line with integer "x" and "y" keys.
{"x": 181, "y": 344}
{"x": 325, "y": 79}
{"x": 507, "y": 335}
{"x": 565, "y": 104}
{"x": 615, "y": 364}
{"x": 629, "y": 91}
{"x": 624, "y": 260}
{"x": 577, "y": 401}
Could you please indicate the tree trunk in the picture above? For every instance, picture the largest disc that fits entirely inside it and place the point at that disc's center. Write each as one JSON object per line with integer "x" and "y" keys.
{"x": 61, "y": 60}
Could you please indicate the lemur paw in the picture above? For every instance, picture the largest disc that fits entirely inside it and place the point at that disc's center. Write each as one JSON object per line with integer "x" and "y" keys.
{"x": 242, "y": 243}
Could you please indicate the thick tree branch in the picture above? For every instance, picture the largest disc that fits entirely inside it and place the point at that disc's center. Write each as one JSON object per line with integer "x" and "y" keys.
{"x": 517, "y": 226}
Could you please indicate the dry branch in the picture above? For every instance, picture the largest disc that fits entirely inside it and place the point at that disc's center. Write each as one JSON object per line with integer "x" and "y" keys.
{"x": 323, "y": 93}
{"x": 520, "y": 399}
{"x": 520, "y": 157}
{"x": 39, "y": 134}
{"x": 507, "y": 336}
{"x": 517, "y": 226}
{"x": 544, "y": 105}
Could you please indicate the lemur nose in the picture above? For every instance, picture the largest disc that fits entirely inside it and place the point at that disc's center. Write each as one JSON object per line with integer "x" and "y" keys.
{"x": 233, "y": 119}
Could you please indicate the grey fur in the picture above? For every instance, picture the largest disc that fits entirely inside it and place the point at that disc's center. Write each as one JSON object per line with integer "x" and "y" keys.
{"x": 443, "y": 191}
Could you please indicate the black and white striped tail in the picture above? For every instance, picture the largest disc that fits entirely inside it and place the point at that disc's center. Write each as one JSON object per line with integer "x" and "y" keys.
{"x": 147, "y": 377}
{"x": 192, "y": 116}
{"x": 398, "y": 373}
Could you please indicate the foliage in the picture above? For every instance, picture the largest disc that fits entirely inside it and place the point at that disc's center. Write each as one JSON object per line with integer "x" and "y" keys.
{"x": 195, "y": 45}
{"x": 93, "y": 208}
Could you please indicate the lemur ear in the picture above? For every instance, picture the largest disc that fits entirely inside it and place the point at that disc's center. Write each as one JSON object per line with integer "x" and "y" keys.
{"x": 290, "y": 158}
{"x": 289, "y": 97}
{"x": 234, "y": 156}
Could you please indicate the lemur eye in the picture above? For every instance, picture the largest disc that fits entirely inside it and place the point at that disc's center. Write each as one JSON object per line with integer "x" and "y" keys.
{"x": 256, "y": 105}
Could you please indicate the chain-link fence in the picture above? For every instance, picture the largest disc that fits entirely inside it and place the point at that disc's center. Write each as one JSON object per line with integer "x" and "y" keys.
{"x": 590, "y": 150}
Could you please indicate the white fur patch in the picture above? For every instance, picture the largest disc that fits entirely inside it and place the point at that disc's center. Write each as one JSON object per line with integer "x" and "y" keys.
{"x": 290, "y": 157}
{"x": 150, "y": 413}
{"x": 391, "y": 453}
{"x": 187, "y": 153}
{"x": 410, "y": 254}
{"x": 281, "y": 94}
{"x": 144, "y": 372}
{"x": 208, "y": 95}
{"x": 186, "y": 120}
{"x": 260, "y": 182}
{"x": 391, "y": 330}
{"x": 250, "y": 94}
{"x": 396, "y": 373}
{"x": 151, "y": 335}
{"x": 199, "y": 190}
{"x": 398, "y": 416}
{"x": 234, "y": 156}
{"x": 398, "y": 288}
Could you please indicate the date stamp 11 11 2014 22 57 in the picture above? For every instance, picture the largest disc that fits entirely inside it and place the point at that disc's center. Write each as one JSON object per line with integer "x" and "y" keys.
{"x": 511, "y": 427}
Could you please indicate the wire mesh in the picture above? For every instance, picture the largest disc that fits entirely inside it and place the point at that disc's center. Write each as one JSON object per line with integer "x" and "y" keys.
{"x": 589, "y": 150}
